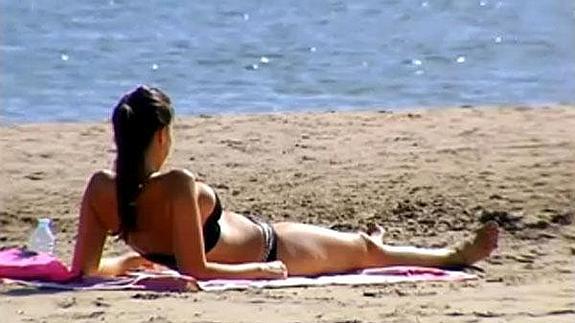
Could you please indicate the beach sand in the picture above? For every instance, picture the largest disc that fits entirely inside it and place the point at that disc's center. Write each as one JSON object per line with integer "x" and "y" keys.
{"x": 429, "y": 177}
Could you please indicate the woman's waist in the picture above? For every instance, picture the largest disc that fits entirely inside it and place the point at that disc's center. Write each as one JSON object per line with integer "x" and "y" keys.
{"x": 240, "y": 240}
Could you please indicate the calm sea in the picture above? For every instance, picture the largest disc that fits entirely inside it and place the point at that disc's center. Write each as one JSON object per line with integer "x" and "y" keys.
{"x": 71, "y": 60}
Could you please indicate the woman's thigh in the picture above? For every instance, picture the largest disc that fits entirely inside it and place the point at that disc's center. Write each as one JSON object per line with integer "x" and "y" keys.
{"x": 309, "y": 250}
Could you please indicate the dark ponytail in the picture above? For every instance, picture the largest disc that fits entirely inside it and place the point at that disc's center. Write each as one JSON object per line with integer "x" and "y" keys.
{"x": 136, "y": 119}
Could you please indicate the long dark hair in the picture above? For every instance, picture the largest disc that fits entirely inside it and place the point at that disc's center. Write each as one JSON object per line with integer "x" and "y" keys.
{"x": 136, "y": 118}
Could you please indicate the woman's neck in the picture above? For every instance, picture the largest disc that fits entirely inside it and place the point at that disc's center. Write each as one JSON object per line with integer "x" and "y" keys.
{"x": 152, "y": 165}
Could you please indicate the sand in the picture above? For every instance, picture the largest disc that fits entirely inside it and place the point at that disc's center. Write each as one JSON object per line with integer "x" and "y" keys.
{"x": 429, "y": 177}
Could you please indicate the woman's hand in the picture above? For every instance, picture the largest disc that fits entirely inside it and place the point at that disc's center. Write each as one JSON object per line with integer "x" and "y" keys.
{"x": 133, "y": 261}
{"x": 273, "y": 270}
{"x": 122, "y": 264}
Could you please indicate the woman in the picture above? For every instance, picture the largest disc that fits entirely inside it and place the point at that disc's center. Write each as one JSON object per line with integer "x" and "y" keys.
{"x": 170, "y": 218}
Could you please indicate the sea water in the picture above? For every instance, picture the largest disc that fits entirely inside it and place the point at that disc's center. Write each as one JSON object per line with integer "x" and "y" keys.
{"x": 71, "y": 60}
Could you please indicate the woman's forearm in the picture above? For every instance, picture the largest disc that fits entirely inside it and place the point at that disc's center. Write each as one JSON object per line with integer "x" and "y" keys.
{"x": 113, "y": 266}
{"x": 120, "y": 265}
{"x": 252, "y": 270}
{"x": 231, "y": 271}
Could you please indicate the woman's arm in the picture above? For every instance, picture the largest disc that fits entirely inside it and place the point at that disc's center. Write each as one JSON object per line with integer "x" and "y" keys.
{"x": 189, "y": 243}
{"x": 119, "y": 265}
{"x": 92, "y": 232}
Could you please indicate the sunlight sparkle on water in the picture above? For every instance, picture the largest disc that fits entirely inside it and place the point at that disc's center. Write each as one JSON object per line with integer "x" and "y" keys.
{"x": 264, "y": 60}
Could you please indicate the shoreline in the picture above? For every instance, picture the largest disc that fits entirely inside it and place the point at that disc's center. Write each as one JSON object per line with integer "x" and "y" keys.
{"x": 428, "y": 176}
{"x": 5, "y": 122}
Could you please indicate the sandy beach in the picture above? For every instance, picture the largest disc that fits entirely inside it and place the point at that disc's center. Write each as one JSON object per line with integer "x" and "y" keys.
{"x": 429, "y": 177}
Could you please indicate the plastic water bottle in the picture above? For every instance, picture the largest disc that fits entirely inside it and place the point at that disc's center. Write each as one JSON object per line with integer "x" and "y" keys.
{"x": 42, "y": 238}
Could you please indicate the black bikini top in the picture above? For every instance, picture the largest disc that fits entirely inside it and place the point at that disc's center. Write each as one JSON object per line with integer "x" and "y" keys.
{"x": 211, "y": 228}
{"x": 211, "y": 231}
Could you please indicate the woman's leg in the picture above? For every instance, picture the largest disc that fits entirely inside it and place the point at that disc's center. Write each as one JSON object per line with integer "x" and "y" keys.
{"x": 469, "y": 252}
{"x": 311, "y": 250}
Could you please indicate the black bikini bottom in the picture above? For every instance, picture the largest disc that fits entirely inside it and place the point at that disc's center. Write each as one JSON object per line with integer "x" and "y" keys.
{"x": 270, "y": 238}
{"x": 270, "y": 251}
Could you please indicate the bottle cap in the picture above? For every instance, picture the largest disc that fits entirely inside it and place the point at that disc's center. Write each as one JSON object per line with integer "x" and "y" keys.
{"x": 44, "y": 221}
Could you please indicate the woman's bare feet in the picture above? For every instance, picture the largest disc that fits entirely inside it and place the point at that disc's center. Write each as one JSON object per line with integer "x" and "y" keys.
{"x": 484, "y": 242}
{"x": 468, "y": 253}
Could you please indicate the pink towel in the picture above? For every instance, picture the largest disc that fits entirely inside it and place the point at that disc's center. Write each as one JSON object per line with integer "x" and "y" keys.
{"x": 42, "y": 270}
{"x": 383, "y": 275}
{"x": 20, "y": 263}
{"x": 158, "y": 282}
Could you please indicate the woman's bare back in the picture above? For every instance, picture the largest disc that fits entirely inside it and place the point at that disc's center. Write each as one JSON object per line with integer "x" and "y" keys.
{"x": 155, "y": 219}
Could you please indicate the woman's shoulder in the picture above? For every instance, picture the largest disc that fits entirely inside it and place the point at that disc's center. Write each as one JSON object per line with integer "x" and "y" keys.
{"x": 174, "y": 180}
{"x": 178, "y": 174}
{"x": 177, "y": 177}
{"x": 101, "y": 181}
{"x": 101, "y": 188}
{"x": 103, "y": 175}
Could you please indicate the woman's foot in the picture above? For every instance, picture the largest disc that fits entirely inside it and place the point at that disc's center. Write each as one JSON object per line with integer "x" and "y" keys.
{"x": 484, "y": 242}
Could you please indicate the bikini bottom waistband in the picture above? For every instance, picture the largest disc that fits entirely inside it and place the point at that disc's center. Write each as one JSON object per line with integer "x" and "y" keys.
{"x": 270, "y": 238}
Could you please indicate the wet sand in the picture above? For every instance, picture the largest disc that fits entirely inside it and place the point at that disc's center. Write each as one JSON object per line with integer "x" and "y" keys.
{"x": 428, "y": 177}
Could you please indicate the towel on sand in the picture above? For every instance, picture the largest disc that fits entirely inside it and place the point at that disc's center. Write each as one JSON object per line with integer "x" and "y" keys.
{"x": 23, "y": 266}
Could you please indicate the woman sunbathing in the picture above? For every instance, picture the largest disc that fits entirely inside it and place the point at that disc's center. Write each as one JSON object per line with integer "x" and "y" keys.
{"x": 171, "y": 218}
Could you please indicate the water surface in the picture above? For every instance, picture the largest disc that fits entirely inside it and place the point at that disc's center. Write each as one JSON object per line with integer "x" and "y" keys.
{"x": 71, "y": 60}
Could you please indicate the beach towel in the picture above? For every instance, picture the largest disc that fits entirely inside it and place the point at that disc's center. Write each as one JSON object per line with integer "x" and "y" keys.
{"x": 170, "y": 280}
{"x": 372, "y": 276}
{"x": 39, "y": 269}
{"x": 20, "y": 263}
